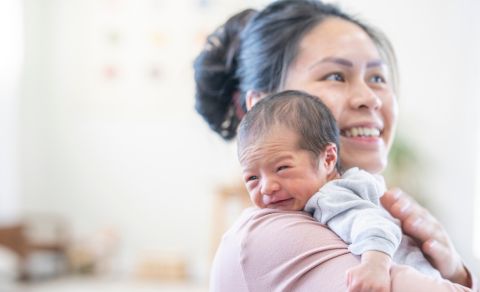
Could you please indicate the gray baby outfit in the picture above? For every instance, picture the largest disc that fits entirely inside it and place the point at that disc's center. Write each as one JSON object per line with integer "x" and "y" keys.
{"x": 350, "y": 207}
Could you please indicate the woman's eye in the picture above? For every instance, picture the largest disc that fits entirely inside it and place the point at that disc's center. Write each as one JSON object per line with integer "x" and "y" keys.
{"x": 251, "y": 178}
{"x": 282, "y": 167}
{"x": 377, "y": 79}
{"x": 334, "y": 77}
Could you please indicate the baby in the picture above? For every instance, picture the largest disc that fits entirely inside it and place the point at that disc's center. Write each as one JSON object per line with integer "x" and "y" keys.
{"x": 288, "y": 148}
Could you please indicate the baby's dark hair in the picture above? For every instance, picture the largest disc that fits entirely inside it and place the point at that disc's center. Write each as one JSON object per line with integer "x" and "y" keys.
{"x": 301, "y": 112}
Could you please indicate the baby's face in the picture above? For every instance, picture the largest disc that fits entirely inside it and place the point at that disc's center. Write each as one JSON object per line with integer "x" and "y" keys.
{"x": 278, "y": 174}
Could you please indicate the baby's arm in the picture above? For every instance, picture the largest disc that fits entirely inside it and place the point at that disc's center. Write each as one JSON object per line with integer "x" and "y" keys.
{"x": 360, "y": 223}
{"x": 349, "y": 207}
{"x": 363, "y": 226}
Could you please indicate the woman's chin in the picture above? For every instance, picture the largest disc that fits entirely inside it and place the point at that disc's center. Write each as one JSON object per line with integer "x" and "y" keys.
{"x": 368, "y": 154}
{"x": 370, "y": 163}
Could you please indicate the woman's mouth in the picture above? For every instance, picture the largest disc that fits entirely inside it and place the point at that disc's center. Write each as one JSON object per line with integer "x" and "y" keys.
{"x": 361, "y": 132}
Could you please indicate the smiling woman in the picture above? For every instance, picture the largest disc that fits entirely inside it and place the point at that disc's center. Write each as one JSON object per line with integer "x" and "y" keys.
{"x": 351, "y": 68}
{"x": 348, "y": 75}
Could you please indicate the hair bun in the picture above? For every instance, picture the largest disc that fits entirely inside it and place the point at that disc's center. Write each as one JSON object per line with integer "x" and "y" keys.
{"x": 215, "y": 76}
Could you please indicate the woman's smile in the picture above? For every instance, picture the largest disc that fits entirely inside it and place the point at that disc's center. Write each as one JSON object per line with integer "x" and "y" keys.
{"x": 362, "y": 135}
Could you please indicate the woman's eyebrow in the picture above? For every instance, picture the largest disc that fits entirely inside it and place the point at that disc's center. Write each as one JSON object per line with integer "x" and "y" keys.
{"x": 336, "y": 60}
{"x": 346, "y": 63}
{"x": 375, "y": 63}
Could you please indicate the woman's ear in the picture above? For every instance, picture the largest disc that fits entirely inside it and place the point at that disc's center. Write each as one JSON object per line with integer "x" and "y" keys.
{"x": 252, "y": 97}
{"x": 330, "y": 159}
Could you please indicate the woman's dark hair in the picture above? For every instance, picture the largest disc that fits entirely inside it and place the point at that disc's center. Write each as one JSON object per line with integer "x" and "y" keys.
{"x": 304, "y": 114}
{"x": 253, "y": 51}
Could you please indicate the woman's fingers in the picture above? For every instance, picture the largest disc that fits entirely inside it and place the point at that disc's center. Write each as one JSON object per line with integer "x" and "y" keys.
{"x": 435, "y": 250}
{"x": 399, "y": 204}
{"x": 416, "y": 220}
{"x": 425, "y": 229}
{"x": 453, "y": 269}
{"x": 390, "y": 197}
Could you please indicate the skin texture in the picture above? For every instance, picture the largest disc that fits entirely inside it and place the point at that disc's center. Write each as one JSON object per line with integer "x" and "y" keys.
{"x": 280, "y": 175}
{"x": 340, "y": 64}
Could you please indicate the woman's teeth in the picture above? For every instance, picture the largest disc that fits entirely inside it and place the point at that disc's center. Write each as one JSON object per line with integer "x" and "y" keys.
{"x": 362, "y": 132}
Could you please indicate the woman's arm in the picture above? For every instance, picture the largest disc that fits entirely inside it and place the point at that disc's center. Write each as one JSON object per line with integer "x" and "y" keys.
{"x": 422, "y": 226}
{"x": 290, "y": 251}
{"x": 405, "y": 278}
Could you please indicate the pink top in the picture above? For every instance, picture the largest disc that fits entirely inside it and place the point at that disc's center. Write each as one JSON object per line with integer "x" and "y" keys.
{"x": 273, "y": 250}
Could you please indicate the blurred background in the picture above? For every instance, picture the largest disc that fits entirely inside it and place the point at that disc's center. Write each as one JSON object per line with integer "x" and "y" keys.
{"x": 109, "y": 180}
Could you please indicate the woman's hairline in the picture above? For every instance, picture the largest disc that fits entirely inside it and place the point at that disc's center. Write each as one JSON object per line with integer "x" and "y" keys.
{"x": 380, "y": 41}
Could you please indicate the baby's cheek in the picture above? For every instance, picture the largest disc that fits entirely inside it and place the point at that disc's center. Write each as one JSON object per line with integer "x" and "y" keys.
{"x": 256, "y": 199}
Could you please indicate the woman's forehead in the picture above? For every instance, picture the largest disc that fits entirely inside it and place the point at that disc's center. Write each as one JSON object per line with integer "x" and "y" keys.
{"x": 336, "y": 38}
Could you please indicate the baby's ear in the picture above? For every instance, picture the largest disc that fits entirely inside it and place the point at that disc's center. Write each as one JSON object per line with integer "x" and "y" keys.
{"x": 331, "y": 157}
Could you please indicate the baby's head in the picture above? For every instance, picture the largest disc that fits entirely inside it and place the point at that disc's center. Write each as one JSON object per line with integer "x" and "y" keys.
{"x": 287, "y": 147}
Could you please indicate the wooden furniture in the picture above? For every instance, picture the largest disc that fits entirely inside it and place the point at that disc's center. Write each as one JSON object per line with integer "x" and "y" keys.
{"x": 18, "y": 238}
{"x": 229, "y": 201}
{"x": 12, "y": 237}
{"x": 162, "y": 267}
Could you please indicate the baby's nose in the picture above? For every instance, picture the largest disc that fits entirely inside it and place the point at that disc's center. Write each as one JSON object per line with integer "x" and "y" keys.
{"x": 269, "y": 186}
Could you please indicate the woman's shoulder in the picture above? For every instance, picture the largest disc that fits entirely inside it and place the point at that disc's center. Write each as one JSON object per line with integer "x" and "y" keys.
{"x": 255, "y": 222}
{"x": 287, "y": 248}
{"x": 291, "y": 231}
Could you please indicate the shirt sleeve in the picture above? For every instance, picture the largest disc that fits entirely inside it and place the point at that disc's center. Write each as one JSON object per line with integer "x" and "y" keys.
{"x": 349, "y": 207}
{"x": 290, "y": 251}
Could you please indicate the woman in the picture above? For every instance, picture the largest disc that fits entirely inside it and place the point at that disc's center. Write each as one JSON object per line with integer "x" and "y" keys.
{"x": 314, "y": 47}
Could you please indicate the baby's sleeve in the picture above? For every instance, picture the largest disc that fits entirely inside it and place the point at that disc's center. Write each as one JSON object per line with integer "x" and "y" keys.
{"x": 349, "y": 207}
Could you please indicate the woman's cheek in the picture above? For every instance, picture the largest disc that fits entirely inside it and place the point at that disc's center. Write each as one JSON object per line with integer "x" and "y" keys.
{"x": 332, "y": 96}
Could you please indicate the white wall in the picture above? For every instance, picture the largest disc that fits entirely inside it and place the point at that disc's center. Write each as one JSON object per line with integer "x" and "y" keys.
{"x": 127, "y": 153}
{"x": 131, "y": 154}
{"x": 11, "y": 63}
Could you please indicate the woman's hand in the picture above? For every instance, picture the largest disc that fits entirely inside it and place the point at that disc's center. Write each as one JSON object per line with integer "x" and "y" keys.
{"x": 423, "y": 227}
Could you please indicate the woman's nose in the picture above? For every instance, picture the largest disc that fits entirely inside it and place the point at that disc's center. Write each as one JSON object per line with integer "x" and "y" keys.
{"x": 363, "y": 96}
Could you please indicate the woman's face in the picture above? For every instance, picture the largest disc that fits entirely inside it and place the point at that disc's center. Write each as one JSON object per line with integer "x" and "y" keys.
{"x": 338, "y": 62}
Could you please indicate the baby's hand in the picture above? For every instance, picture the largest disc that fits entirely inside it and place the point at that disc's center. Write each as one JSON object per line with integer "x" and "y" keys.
{"x": 372, "y": 275}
